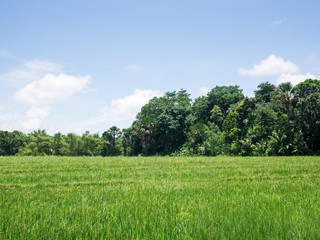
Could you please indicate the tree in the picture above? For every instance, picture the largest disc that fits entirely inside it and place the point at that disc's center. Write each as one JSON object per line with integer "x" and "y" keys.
{"x": 216, "y": 116}
{"x": 195, "y": 139}
{"x": 307, "y": 88}
{"x": 110, "y": 146}
{"x": 308, "y": 119}
{"x": 265, "y": 121}
{"x": 162, "y": 123}
{"x": 200, "y": 111}
{"x": 236, "y": 124}
{"x": 11, "y": 142}
{"x": 213, "y": 144}
{"x": 38, "y": 143}
{"x": 265, "y": 92}
{"x": 90, "y": 144}
{"x": 60, "y": 145}
{"x": 231, "y": 132}
{"x": 283, "y": 97}
{"x": 224, "y": 97}
{"x": 74, "y": 144}
{"x": 203, "y": 139}
{"x": 127, "y": 141}
{"x": 279, "y": 143}
{"x": 220, "y": 96}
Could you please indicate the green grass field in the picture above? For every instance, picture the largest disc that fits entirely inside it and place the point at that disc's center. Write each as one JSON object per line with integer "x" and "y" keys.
{"x": 160, "y": 198}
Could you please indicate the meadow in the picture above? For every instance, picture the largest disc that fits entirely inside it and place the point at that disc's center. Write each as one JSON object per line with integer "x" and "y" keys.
{"x": 160, "y": 198}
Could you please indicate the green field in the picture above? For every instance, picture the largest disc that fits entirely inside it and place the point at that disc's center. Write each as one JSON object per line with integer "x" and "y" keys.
{"x": 160, "y": 198}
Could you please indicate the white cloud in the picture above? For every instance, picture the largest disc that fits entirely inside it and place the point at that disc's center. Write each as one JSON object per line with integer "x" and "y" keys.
{"x": 285, "y": 71}
{"x": 134, "y": 68}
{"x": 35, "y": 117}
{"x": 277, "y": 22}
{"x": 294, "y": 78}
{"x": 271, "y": 66}
{"x": 51, "y": 88}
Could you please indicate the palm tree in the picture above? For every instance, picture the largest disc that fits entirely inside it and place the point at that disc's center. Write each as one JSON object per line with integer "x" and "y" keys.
{"x": 284, "y": 97}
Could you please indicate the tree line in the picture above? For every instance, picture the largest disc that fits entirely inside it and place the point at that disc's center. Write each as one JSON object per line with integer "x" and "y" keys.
{"x": 279, "y": 120}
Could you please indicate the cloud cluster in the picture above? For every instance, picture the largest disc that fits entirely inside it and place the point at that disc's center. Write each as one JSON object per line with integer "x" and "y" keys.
{"x": 285, "y": 71}
{"x": 51, "y": 88}
{"x": 39, "y": 83}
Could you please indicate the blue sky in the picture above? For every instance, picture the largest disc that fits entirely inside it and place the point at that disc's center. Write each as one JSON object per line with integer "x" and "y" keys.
{"x": 72, "y": 66}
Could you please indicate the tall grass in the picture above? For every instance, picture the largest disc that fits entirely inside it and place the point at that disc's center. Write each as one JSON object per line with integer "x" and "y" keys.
{"x": 160, "y": 198}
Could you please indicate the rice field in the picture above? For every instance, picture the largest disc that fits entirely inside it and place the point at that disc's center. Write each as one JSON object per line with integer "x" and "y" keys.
{"x": 160, "y": 198}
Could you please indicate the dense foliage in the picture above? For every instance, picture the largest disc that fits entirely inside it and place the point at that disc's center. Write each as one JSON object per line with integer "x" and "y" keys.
{"x": 278, "y": 120}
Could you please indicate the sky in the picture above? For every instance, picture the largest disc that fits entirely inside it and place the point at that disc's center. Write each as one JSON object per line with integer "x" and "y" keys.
{"x": 80, "y": 65}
